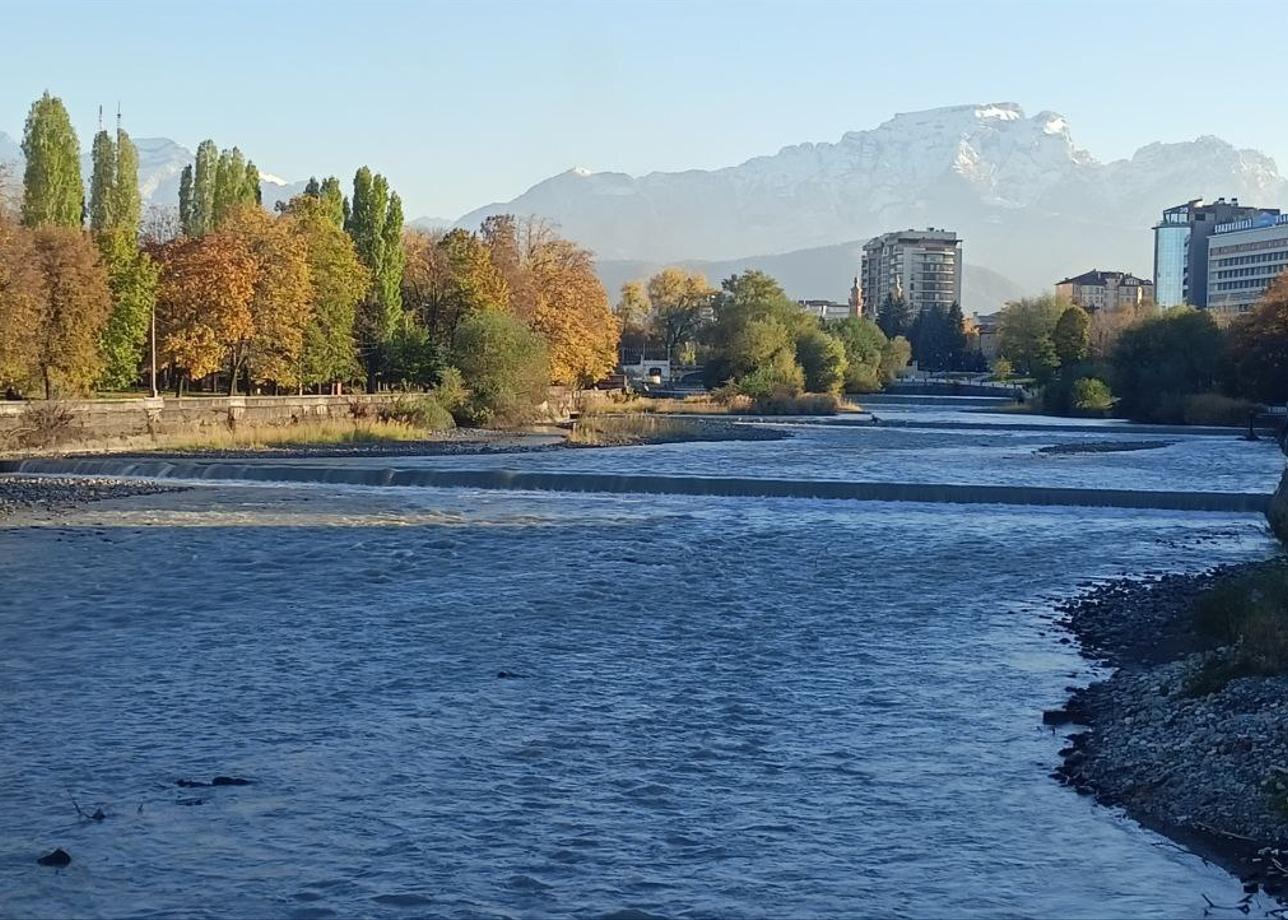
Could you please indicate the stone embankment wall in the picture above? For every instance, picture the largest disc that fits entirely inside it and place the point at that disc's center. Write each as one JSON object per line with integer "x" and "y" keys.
{"x": 93, "y": 423}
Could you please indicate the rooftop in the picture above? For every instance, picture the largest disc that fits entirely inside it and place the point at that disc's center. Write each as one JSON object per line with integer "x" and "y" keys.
{"x": 1098, "y": 277}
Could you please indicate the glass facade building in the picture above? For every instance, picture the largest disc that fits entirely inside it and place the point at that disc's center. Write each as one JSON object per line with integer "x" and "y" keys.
{"x": 1171, "y": 263}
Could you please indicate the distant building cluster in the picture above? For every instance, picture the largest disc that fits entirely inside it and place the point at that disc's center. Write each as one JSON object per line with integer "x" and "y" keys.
{"x": 1101, "y": 290}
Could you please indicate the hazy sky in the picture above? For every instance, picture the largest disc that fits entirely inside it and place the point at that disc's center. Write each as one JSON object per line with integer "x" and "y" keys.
{"x": 461, "y": 104}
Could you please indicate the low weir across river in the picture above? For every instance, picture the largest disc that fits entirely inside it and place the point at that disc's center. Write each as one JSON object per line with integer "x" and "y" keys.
{"x": 382, "y": 475}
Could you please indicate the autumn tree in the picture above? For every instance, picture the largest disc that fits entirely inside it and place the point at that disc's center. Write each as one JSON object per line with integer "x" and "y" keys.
{"x": 52, "y": 191}
{"x": 74, "y": 303}
{"x": 272, "y": 345}
{"x": 678, "y": 301}
{"x": 204, "y": 300}
{"x": 1259, "y": 346}
{"x": 571, "y": 313}
{"x": 20, "y": 307}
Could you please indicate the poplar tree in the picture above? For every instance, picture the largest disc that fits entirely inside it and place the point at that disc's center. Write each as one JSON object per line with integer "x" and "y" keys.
{"x": 230, "y": 178}
{"x": 102, "y": 181}
{"x": 131, "y": 274}
{"x": 312, "y": 189}
{"x": 52, "y": 189}
{"x": 185, "y": 199}
{"x": 127, "y": 203}
{"x": 333, "y": 204}
{"x": 203, "y": 189}
{"x": 250, "y": 185}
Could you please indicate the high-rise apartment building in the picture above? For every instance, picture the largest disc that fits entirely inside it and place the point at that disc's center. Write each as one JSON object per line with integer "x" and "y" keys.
{"x": 922, "y": 267}
{"x": 1181, "y": 247}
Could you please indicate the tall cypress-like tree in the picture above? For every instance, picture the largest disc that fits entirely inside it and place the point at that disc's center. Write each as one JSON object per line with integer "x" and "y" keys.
{"x": 203, "y": 189}
{"x": 131, "y": 274}
{"x": 127, "y": 203}
{"x": 333, "y": 203}
{"x": 52, "y": 190}
{"x": 312, "y": 189}
{"x": 186, "y": 199}
{"x": 250, "y": 185}
{"x": 102, "y": 181}
{"x": 391, "y": 268}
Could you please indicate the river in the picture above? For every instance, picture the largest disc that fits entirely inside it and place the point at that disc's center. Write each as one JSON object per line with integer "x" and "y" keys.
{"x": 714, "y": 706}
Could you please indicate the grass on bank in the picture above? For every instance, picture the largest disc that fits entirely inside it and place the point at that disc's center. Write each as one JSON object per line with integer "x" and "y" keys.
{"x": 1248, "y": 616}
{"x": 303, "y": 434}
{"x": 622, "y": 430}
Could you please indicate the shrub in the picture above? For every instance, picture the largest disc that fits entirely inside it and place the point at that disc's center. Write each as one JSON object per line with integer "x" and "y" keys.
{"x": 420, "y": 412}
{"x": 505, "y": 366}
{"x": 44, "y": 424}
{"x": 801, "y": 404}
{"x": 1215, "y": 409}
{"x": 1002, "y": 369}
{"x": 1248, "y": 615}
{"x": 451, "y": 392}
{"x": 1091, "y": 396}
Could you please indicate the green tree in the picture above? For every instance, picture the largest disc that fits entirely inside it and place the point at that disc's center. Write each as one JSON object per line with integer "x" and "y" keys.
{"x": 894, "y": 316}
{"x": 102, "y": 182}
{"x": 822, "y": 358}
{"x": 339, "y": 281}
{"x": 375, "y": 225}
{"x": 1072, "y": 335}
{"x": 52, "y": 190}
{"x": 1091, "y": 396}
{"x": 504, "y": 366}
{"x": 1163, "y": 360}
{"x": 894, "y": 358}
{"x": 127, "y": 201}
{"x": 1025, "y": 333}
{"x": 230, "y": 184}
{"x": 333, "y": 200}
{"x": 865, "y": 346}
{"x": 187, "y": 217}
{"x": 251, "y": 192}
{"x": 204, "y": 176}
{"x": 132, "y": 280}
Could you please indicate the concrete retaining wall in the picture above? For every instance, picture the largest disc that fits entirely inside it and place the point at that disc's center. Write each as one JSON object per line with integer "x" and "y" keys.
{"x": 106, "y": 422}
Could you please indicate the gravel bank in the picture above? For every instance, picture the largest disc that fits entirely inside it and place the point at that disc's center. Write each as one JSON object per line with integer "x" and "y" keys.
{"x": 48, "y": 493}
{"x": 1209, "y": 771}
{"x": 686, "y": 430}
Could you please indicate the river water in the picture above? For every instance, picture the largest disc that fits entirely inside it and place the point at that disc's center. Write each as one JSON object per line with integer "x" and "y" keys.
{"x": 724, "y": 707}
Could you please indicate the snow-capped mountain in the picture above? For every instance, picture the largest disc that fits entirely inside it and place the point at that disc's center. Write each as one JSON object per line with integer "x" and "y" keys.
{"x": 1027, "y": 200}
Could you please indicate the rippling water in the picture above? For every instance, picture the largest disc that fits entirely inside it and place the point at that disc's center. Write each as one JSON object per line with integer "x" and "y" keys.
{"x": 723, "y": 707}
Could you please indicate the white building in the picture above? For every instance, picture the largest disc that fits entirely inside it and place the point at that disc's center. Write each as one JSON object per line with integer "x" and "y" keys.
{"x": 1244, "y": 256}
{"x": 922, "y": 267}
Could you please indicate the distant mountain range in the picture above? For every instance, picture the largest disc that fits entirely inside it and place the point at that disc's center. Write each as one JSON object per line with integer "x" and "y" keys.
{"x": 1029, "y": 204}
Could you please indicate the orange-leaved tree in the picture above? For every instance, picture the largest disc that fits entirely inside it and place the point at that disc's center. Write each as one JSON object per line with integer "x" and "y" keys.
{"x": 204, "y": 302}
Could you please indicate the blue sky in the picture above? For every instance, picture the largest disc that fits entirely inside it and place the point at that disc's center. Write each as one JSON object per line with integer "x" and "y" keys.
{"x": 465, "y": 103}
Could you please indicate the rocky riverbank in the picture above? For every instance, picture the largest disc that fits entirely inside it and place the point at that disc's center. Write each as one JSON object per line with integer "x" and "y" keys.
{"x": 48, "y": 493}
{"x": 1203, "y": 762}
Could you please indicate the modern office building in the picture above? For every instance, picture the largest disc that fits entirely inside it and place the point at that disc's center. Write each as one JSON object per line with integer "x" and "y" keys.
{"x": 922, "y": 267}
{"x": 1181, "y": 244}
{"x": 1244, "y": 256}
{"x": 1097, "y": 290}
